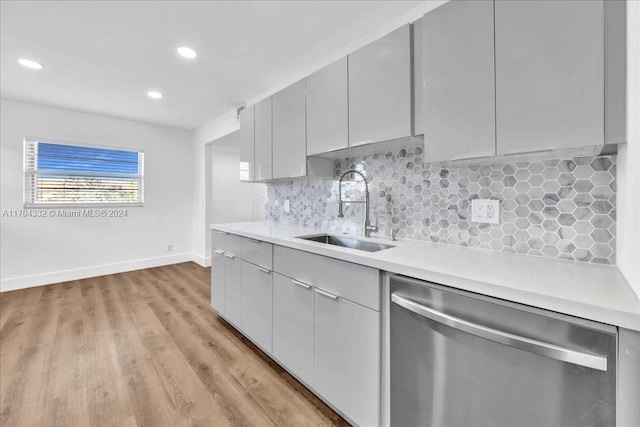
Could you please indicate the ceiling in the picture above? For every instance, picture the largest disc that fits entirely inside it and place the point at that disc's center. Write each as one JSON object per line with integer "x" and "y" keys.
{"x": 103, "y": 56}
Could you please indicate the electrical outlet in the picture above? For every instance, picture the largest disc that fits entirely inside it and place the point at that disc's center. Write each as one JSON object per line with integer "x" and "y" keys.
{"x": 170, "y": 247}
{"x": 485, "y": 210}
{"x": 287, "y": 206}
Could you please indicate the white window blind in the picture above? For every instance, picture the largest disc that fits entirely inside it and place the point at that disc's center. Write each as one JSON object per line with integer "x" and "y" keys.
{"x": 58, "y": 174}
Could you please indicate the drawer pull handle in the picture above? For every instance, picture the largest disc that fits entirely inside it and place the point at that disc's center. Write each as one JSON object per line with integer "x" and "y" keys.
{"x": 301, "y": 284}
{"x": 228, "y": 255}
{"x": 254, "y": 240}
{"x": 326, "y": 294}
{"x": 264, "y": 270}
{"x": 218, "y": 251}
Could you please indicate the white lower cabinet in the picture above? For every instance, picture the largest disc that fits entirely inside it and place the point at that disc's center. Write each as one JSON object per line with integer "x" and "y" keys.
{"x": 257, "y": 305}
{"x": 319, "y": 317}
{"x": 347, "y": 357}
{"x": 233, "y": 290}
{"x": 217, "y": 280}
{"x": 293, "y": 326}
{"x": 231, "y": 286}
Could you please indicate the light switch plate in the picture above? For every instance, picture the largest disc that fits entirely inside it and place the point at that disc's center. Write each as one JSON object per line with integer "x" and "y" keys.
{"x": 485, "y": 210}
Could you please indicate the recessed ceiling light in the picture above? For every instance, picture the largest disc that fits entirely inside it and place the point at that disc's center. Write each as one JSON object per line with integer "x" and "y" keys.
{"x": 30, "y": 64}
{"x": 187, "y": 52}
{"x": 153, "y": 94}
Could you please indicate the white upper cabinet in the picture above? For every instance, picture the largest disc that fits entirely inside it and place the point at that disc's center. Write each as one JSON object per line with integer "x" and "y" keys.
{"x": 549, "y": 74}
{"x": 516, "y": 77}
{"x": 458, "y": 67}
{"x": 247, "y": 136}
{"x": 380, "y": 89}
{"x": 263, "y": 140}
{"x": 289, "y": 132}
{"x": 328, "y": 109}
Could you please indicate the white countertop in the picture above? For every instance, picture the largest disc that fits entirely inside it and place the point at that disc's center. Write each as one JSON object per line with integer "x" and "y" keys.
{"x": 590, "y": 291}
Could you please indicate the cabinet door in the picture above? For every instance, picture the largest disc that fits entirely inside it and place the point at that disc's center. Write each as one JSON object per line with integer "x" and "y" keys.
{"x": 549, "y": 74}
{"x": 263, "y": 140}
{"x": 289, "y": 132}
{"x": 347, "y": 357}
{"x": 257, "y": 309}
{"x": 233, "y": 290}
{"x": 247, "y": 135}
{"x": 328, "y": 109}
{"x": 217, "y": 280}
{"x": 459, "y": 98}
{"x": 293, "y": 326}
{"x": 380, "y": 89}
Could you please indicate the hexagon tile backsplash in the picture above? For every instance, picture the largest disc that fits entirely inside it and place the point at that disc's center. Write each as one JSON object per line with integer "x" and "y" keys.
{"x": 551, "y": 208}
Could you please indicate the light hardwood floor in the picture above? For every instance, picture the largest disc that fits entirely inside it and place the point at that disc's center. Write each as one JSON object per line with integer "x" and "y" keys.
{"x": 142, "y": 348}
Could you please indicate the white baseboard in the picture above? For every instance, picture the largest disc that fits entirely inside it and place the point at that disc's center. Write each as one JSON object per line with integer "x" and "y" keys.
{"x": 23, "y": 282}
{"x": 201, "y": 260}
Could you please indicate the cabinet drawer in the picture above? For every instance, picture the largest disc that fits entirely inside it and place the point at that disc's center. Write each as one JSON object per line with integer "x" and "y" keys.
{"x": 226, "y": 242}
{"x": 257, "y": 252}
{"x": 351, "y": 281}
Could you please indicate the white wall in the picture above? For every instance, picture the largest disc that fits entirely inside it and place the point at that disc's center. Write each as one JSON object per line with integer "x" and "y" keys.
{"x": 205, "y": 134}
{"x": 37, "y": 251}
{"x": 232, "y": 200}
{"x": 628, "y": 231}
{"x": 227, "y": 199}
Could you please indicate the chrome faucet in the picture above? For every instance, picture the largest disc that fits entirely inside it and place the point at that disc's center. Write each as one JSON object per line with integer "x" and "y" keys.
{"x": 368, "y": 228}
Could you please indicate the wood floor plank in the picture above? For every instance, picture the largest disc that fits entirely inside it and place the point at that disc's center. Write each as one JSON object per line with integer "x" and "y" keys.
{"x": 68, "y": 366}
{"x": 26, "y": 361}
{"x": 17, "y": 307}
{"x": 183, "y": 387}
{"x": 247, "y": 364}
{"x": 191, "y": 290}
{"x": 107, "y": 395}
{"x": 149, "y": 399}
{"x": 211, "y": 369}
{"x": 70, "y": 409}
{"x": 142, "y": 348}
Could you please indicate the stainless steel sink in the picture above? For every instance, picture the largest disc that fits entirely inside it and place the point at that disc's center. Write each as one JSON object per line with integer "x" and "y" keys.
{"x": 346, "y": 242}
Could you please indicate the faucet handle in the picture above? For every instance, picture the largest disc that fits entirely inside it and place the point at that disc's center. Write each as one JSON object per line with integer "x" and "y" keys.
{"x": 394, "y": 233}
{"x": 374, "y": 227}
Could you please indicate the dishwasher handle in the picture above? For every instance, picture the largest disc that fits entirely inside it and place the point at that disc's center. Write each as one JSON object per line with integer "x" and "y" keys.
{"x": 541, "y": 348}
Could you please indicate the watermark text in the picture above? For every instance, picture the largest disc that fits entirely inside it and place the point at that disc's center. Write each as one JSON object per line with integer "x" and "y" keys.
{"x": 65, "y": 213}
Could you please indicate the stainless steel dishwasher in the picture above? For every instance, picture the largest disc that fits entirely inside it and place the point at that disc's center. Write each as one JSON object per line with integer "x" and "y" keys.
{"x": 461, "y": 359}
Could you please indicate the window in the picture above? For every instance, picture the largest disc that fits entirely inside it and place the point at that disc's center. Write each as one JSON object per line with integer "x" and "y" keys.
{"x": 244, "y": 171}
{"x": 61, "y": 174}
